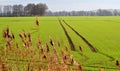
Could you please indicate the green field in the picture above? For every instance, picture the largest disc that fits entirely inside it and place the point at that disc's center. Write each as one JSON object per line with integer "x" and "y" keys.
{"x": 101, "y": 32}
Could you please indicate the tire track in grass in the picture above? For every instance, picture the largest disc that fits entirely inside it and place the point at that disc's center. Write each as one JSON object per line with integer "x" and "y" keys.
{"x": 111, "y": 21}
{"x": 67, "y": 35}
{"x": 69, "y": 39}
{"x": 93, "y": 49}
{"x": 85, "y": 40}
{"x": 102, "y": 67}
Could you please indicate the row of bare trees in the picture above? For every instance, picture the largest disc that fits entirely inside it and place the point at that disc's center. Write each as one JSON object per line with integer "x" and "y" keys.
{"x": 40, "y": 9}
{"x": 20, "y": 10}
{"x": 99, "y": 12}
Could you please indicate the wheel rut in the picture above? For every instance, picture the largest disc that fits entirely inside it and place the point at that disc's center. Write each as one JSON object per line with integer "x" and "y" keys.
{"x": 92, "y": 48}
{"x": 67, "y": 35}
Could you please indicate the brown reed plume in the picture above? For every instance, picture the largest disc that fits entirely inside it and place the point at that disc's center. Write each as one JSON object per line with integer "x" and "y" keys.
{"x": 44, "y": 57}
{"x": 58, "y": 43}
{"x": 4, "y": 33}
{"x": 55, "y": 55}
{"x": 3, "y": 66}
{"x": 39, "y": 44}
{"x": 7, "y": 34}
{"x": 79, "y": 67}
{"x": 29, "y": 39}
{"x": 72, "y": 60}
{"x": 26, "y": 39}
{"x": 51, "y": 41}
{"x": 101, "y": 69}
{"x": 37, "y": 21}
{"x": 118, "y": 64}
{"x": 47, "y": 48}
{"x": 66, "y": 48}
{"x": 80, "y": 48}
{"x": 8, "y": 38}
{"x": 64, "y": 57}
{"x": 24, "y": 34}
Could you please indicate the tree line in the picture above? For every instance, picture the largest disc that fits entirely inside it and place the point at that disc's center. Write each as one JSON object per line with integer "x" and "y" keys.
{"x": 99, "y": 12}
{"x": 40, "y": 9}
{"x": 20, "y": 10}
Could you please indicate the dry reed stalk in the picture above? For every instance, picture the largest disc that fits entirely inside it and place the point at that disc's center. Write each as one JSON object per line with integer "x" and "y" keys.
{"x": 118, "y": 64}
{"x": 29, "y": 39}
{"x": 28, "y": 67}
{"x": 7, "y": 34}
{"x": 58, "y": 43}
{"x": 47, "y": 48}
{"x": 101, "y": 69}
{"x": 17, "y": 46}
{"x": 64, "y": 57}
{"x": 8, "y": 37}
{"x": 1, "y": 64}
{"x": 78, "y": 67}
{"x": 4, "y": 34}
{"x": 44, "y": 57}
{"x": 22, "y": 39}
{"x": 64, "y": 66}
{"x": 16, "y": 63}
{"x": 37, "y": 22}
{"x": 25, "y": 54}
{"x": 51, "y": 63}
{"x": 39, "y": 44}
{"x": 80, "y": 48}
{"x": 41, "y": 50}
{"x": 26, "y": 39}
{"x": 7, "y": 30}
{"x": 55, "y": 54}
{"x": 20, "y": 35}
{"x": 49, "y": 67}
{"x": 72, "y": 60}
{"x": 32, "y": 60}
{"x": 3, "y": 67}
{"x": 51, "y": 41}
{"x": 24, "y": 34}
{"x": 17, "y": 67}
{"x": 11, "y": 36}
{"x": 66, "y": 48}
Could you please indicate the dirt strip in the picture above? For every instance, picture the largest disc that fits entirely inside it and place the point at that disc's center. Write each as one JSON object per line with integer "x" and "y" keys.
{"x": 68, "y": 37}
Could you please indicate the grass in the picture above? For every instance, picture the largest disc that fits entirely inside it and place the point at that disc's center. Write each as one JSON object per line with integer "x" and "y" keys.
{"x": 101, "y": 32}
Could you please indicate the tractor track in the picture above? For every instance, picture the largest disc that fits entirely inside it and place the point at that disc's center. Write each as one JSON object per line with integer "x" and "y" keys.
{"x": 92, "y": 48}
{"x": 67, "y": 35}
{"x": 85, "y": 40}
{"x": 101, "y": 67}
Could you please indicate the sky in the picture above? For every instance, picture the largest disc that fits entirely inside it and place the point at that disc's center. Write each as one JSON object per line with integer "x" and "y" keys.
{"x": 69, "y": 5}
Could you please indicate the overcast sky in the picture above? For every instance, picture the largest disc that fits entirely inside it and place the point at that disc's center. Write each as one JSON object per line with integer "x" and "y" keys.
{"x": 68, "y": 5}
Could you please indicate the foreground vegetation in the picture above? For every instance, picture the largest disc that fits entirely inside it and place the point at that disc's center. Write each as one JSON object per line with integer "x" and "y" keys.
{"x": 101, "y": 32}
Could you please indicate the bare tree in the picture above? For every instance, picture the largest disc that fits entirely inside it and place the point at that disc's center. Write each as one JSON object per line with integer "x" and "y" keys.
{"x": 21, "y": 10}
{"x": 39, "y": 9}
{"x": 7, "y": 10}
{"x": 104, "y": 12}
{"x": 28, "y": 9}
{"x": 0, "y": 10}
{"x": 17, "y": 10}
